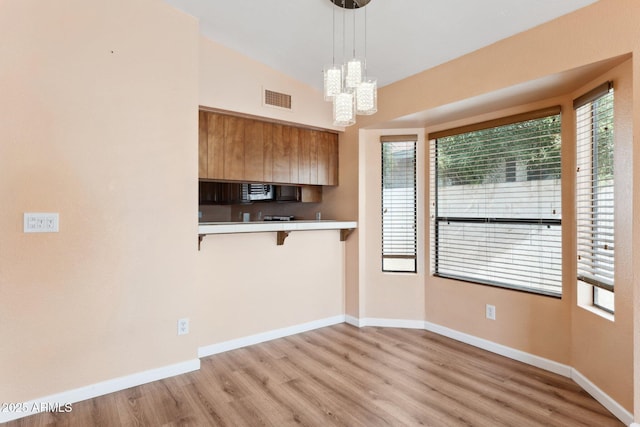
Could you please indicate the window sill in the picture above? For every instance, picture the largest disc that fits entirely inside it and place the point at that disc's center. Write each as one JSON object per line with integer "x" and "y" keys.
{"x": 585, "y": 301}
{"x": 598, "y": 311}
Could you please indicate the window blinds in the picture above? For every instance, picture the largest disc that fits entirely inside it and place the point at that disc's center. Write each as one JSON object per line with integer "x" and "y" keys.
{"x": 595, "y": 188}
{"x": 496, "y": 203}
{"x": 399, "y": 237}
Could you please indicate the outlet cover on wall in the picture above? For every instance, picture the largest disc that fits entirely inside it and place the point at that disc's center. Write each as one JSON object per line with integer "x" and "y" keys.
{"x": 183, "y": 326}
{"x": 41, "y": 222}
{"x": 490, "y": 312}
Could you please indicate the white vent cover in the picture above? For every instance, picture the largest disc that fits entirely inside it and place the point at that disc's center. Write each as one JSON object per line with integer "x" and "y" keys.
{"x": 277, "y": 99}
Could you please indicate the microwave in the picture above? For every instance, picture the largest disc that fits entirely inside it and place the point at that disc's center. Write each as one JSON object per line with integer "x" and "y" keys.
{"x": 254, "y": 192}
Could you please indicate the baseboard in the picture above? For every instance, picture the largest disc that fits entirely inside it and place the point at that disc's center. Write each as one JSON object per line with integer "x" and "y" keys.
{"x": 391, "y": 323}
{"x": 99, "y": 389}
{"x": 353, "y": 321}
{"x": 614, "y": 407}
{"x": 634, "y": 425}
{"x": 268, "y": 336}
{"x": 511, "y": 353}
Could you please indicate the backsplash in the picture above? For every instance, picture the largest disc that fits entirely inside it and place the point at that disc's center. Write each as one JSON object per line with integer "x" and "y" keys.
{"x": 258, "y": 210}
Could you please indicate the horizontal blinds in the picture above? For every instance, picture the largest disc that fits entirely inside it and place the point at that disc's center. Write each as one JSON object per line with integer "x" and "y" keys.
{"x": 595, "y": 191}
{"x": 497, "y": 210}
{"x": 399, "y": 238}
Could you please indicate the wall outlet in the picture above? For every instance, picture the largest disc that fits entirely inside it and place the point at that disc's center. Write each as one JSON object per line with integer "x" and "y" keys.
{"x": 41, "y": 222}
{"x": 490, "y": 312}
{"x": 183, "y": 326}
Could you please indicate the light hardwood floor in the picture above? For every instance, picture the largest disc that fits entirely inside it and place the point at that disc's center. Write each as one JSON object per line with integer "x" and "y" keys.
{"x": 345, "y": 376}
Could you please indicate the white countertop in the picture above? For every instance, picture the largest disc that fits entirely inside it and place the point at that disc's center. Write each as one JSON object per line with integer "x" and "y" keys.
{"x": 265, "y": 226}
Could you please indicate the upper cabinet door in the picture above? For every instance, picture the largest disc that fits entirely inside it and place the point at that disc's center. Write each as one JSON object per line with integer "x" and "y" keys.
{"x": 253, "y": 151}
{"x": 215, "y": 146}
{"x": 323, "y": 158}
{"x": 281, "y": 170}
{"x": 267, "y": 151}
{"x": 331, "y": 145}
{"x": 203, "y": 148}
{"x": 234, "y": 148}
{"x": 304, "y": 156}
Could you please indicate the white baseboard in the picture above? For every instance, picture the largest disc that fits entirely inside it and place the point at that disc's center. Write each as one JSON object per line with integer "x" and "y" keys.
{"x": 391, "y": 323}
{"x": 268, "y": 336}
{"x": 353, "y": 321}
{"x": 614, "y": 407}
{"x": 511, "y": 353}
{"x": 634, "y": 425}
{"x": 99, "y": 389}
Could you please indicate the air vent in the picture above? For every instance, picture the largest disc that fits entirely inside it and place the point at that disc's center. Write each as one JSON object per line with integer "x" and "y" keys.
{"x": 277, "y": 99}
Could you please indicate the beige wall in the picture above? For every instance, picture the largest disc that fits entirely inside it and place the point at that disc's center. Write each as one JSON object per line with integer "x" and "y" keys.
{"x": 233, "y": 82}
{"x": 388, "y": 295}
{"x": 552, "y": 328}
{"x": 97, "y": 122}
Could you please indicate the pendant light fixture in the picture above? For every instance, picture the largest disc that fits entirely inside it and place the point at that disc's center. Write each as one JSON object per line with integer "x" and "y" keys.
{"x": 348, "y": 86}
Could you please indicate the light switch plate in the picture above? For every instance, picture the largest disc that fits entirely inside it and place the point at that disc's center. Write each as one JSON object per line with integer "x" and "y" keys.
{"x": 41, "y": 222}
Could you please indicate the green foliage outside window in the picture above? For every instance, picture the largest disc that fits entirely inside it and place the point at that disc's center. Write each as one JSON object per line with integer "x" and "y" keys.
{"x": 490, "y": 155}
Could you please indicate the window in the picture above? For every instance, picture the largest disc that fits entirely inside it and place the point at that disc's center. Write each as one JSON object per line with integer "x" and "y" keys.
{"x": 496, "y": 210}
{"x": 399, "y": 237}
{"x": 595, "y": 191}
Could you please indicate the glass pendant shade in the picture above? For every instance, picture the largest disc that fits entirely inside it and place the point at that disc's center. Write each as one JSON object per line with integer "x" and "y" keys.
{"x": 332, "y": 81}
{"x": 344, "y": 109}
{"x": 367, "y": 97}
{"x": 353, "y": 74}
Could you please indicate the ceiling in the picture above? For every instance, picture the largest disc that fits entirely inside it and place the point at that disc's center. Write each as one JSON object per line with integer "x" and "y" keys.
{"x": 404, "y": 37}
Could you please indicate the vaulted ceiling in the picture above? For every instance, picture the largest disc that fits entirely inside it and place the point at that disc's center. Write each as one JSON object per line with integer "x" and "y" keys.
{"x": 404, "y": 37}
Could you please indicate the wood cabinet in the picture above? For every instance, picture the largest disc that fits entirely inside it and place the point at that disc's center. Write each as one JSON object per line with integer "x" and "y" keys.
{"x": 253, "y": 155}
{"x": 203, "y": 145}
{"x": 281, "y": 164}
{"x": 215, "y": 146}
{"x": 240, "y": 149}
{"x": 267, "y": 151}
{"x": 328, "y": 158}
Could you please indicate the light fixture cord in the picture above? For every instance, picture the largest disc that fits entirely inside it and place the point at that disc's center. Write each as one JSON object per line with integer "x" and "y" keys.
{"x": 365, "y": 42}
{"x": 353, "y": 10}
{"x": 333, "y": 37}
{"x": 344, "y": 31}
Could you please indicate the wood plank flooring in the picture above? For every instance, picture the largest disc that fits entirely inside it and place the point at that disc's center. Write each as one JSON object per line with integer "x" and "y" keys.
{"x": 345, "y": 376}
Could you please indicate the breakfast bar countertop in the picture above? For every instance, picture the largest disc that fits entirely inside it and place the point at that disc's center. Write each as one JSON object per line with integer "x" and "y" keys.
{"x": 266, "y": 226}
